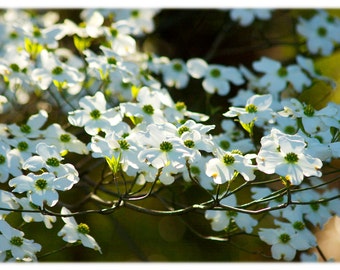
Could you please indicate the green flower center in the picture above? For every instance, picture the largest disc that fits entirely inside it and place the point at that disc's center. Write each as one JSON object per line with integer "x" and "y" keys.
{"x": 2, "y": 159}
{"x": 22, "y": 146}
{"x": 13, "y": 35}
{"x": 57, "y": 70}
{"x": 83, "y": 228}
{"x": 65, "y": 138}
{"x": 315, "y": 206}
{"x": 224, "y": 145}
{"x": 166, "y": 146}
{"x": 114, "y": 32}
{"x": 309, "y": 110}
{"x": 291, "y": 158}
{"x": 16, "y": 241}
{"x": 232, "y": 213}
{"x": 125, "y": 85}
{"x": 282, "y": 72}
{"x": 228, "y": 159}
{"x": 148, "y": 109}
{"x": 124, "y": 144}
{"x": 215, "y": 73}
{"x": 54, "y": 162}
{"x": 25, "y": 129}
{"x": 135, "y": 13}
{"x": 289, "y": 130}
{"x": 322, "y": 31}
{"x": 180, "y": 106}
{"x": 195, "y": 170}
{"x": 36, "y": 32}
{"x": 15, "y": 67}
{"x": 284, "y": 238}
{"x": 189, "y": 143}
{"x": 112, "y": 60}
{"x": 183, "y": 129}
{"x": 299, "y": 225}
{"x": 95, "y": 114}
{"x": 251, "y": 108}
{"x": 41, "y": 184}
{"x": 177, "y": 67}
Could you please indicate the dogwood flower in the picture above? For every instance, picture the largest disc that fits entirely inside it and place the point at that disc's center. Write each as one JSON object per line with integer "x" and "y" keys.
{"x": 165, "y": 147}
{"x": 257, "y": 108}
{"x": 13, "y": 241}
{"x": 222, "y": 219}
{"x": 73, "y": 232}
{"x": 8, "y": 201}
{"x": 94, "y": 116}
{"x": 9, "y": 163}
{"x": 31, "y": 129}
{"x": 48, "y": 157}
{"x": 313, "y": 120}
{"x": 28, "y": 217}
{"x": 216, "y": 77}
{"x": 52, "y": 70}
{"x": 284, "y": 241}
{"x": 276, "y": 76}
{"x": 40, "y": 188}
{"x": 175, "y": 74}
{"x": 227, "y": 165}
{"x": 64, "y": 141}
{"x": 285, "y": 155}
{"x": 246, "y": 17}
{"x": 140, "y": 20}
{"x": 321, "y": 32}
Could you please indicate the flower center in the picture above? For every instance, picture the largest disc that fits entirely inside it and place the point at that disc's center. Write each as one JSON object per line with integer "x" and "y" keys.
{"x": 309, "y": 110}
{"x": 148, "y": 109}
{"x": 65, "y": 138}
{"x": 165, "y": 146}
{"x": 57, "y": 71}
{"x": 2, "y": 159}
{"x": 16, "y": 241}
{"x": 25, "y": 129}
{"x": 83, "y": 228}
{"x": 112, "y": 60}
{"x": 315, "y": 206}
{"x": 322, "y": 31}
{"x": 177, "y": 67}
{"x": 224, "y": 145}
{"x": 284, "y": 238}
{"x": 299, "y": 225}
{"x": 95, "y": 114}
{"x": 232, "y": 213}
{"x": 54, "y": 162}
{"x": 215, "y": 73}
{"x": 289, "y": 130}
{"x": 180, "y": 106}
{"x": 189, "y": 143}
{"x": 15, "y": 67}
{"x": 124, "y": 144}
{"x": 291, "y": 158}
{"x": 195, "y": 170}
{"x": 22, "y": 146}
{"x": 282, "y": 72}
{"x": 228, "y": 159}
{"x": 41, "y": 184}
{"x": 135, "y": 13}
{"x": 251, "y": 108}
{"x": 183, "y": 129}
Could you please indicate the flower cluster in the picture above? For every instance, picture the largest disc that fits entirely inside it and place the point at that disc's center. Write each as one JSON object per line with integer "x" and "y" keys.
{"x": 116, "y": 112}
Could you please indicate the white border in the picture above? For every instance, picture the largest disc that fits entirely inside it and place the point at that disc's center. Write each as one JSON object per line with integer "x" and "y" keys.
{"x": 167, "y": 4}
